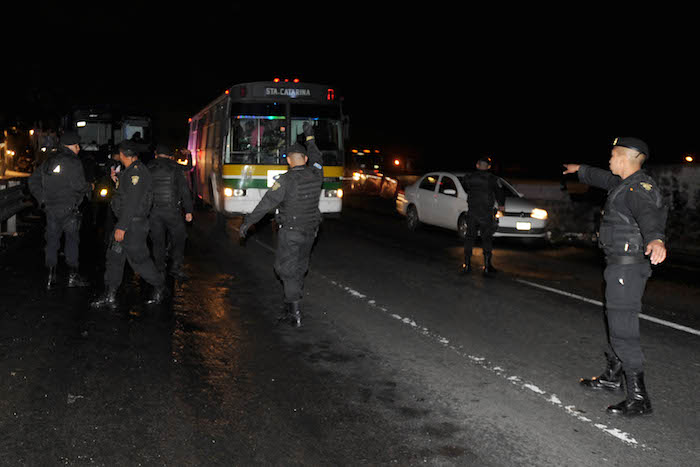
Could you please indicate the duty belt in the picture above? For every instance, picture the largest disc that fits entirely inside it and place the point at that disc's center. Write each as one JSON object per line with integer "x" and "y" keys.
{"x": 628, "y": 259}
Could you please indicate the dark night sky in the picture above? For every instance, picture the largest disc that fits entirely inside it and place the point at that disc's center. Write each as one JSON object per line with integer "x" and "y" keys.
{"x": 439, "y": 84}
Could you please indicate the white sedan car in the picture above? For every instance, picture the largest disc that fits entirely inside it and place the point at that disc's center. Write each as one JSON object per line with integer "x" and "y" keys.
{"x": 438, "y": 198}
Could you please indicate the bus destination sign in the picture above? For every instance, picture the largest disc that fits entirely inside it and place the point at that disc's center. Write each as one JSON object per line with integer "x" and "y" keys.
{"x": 292, "y": 93}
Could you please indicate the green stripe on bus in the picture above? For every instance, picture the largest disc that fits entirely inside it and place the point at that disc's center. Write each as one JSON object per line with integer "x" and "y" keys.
{"x": 260, "y": 183}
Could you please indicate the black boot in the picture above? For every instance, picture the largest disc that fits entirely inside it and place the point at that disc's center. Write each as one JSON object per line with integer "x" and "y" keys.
{"x": 637, "y": 401}
{"x": 488, "y": 266}
{"x": 158, "y": 295}
{"x": 76, "y": 280}
{"x": 285, "y": 315}
{"x": 51, "y": 280}
{"x": 108, "y": 299}
{"x": 467, "y": 266}
{"x": 295, "y": 314}
{"x": 610, "y": 379}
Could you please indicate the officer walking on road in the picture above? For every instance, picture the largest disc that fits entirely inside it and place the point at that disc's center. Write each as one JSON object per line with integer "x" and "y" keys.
{"x": 631, "y": 236}
{"x": 170, "y": 196}
{"x": 59, "y": 186}
{"x": 131, "y": 204}
{"x": 296, "y": 193}
{"x": 483, "y": 190}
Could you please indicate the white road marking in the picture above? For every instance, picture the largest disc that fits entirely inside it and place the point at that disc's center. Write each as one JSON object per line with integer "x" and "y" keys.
{"x": 485, "y": 364}
{"x": 496, "y": 369}
{"x": 662, "y": 322}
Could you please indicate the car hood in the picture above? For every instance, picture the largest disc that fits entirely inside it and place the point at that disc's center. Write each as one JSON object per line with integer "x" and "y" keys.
{"x": 517, "y": 205}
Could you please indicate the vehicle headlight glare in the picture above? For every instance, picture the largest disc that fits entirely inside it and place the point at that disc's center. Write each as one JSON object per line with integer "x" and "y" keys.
{"x": 228, "y": 192}
{"x": 103, "y": 192}
{"x": 334, "y": 193}
{"x": 538, "y": 214}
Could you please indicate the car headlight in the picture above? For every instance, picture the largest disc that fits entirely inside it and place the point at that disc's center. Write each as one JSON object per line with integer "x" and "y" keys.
{"x": 356, "y": 176}
{"x": 499, "y": 214}
{"x": 103, "y": 192}
{"x": 334, "y": 193}
{"x": 538, "y": 214}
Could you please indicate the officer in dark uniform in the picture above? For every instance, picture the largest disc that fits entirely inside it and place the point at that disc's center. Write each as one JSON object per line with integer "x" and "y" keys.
{"x": 131, "y": 204}
{"x": 631, "y": 236}
{"x": 483, "y": 190}
{"x": 296, "y": 193}
{"x": 59, "y": 186}
{"x": 170, "y": 196}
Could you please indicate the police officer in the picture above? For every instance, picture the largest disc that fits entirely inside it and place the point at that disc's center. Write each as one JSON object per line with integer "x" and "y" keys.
{"x": 59, "y": 186}
{"x": 631, "y": 236}
{"x": 131, "y": 204}
{"x": 483, "y": 190}
{"x": 170, "y": 196}
{"x": 296, "y": 193}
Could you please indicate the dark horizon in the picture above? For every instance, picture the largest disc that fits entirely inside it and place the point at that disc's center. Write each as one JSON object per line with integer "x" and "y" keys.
{"x": 444, "y": 97}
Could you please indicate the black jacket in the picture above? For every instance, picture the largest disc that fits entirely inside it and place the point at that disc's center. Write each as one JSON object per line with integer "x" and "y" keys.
{"x": 59, "y": 182}
{"x": 133, "y": 196}
{"x": 483, "y": 190}
{"x": 634, "y": 212}
{"x": 296, "y": 193}
{"x": 170, "y": 189}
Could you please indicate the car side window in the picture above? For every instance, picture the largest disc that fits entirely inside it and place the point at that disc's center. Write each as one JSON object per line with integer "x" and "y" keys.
{"x": 448, "y": 186}
{"x": 428, "y": 182}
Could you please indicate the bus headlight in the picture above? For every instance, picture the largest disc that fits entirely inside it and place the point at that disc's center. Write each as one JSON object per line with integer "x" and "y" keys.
{"x": 334, "y": 193}
{"x": 540, "y": 214}
{"x": 228, "y": 192}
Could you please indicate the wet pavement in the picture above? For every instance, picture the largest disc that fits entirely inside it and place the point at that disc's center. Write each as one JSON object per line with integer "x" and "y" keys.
{"x": 400, "y": 360}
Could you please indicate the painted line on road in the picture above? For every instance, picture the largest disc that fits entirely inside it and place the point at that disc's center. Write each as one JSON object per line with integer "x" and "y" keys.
{"x": 660, "y": 321}
{"x": 482, "y": 362}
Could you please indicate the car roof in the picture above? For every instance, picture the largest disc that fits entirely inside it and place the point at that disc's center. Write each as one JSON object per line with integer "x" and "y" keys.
{"x": 462, "y": 174}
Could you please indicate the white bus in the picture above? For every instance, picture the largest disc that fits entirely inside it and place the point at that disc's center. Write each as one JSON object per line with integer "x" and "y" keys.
{"x": 238, "y": 142}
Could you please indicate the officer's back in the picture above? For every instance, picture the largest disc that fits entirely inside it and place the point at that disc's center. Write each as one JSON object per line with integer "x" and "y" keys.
{"x": 59, "y": 182}
{"x": 164, "y": 173}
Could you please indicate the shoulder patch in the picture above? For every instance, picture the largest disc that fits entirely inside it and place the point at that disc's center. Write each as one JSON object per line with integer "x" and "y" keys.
{"x": 134, "y": 179}
{"x": 275, "y": 186}
{"x": 318, "y": 166}
{"x": 646, "y": 186}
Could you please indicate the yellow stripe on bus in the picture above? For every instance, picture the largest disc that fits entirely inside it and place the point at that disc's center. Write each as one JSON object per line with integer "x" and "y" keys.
{"x": 261, "y": 170}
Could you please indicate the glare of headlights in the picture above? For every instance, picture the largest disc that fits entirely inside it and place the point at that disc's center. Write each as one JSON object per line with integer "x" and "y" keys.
{"x": 103, "y": 192}
{"x": 355, "y": 176}
{"x": 538, "y": 214}
{"x": 228, "y": 192}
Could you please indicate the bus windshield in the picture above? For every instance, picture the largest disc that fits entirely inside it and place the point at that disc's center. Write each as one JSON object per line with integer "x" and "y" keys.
{"x": 257, "y": 139}
{"x": 260, "y": 133}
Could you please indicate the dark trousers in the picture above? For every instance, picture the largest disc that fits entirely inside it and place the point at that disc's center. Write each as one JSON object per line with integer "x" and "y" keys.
{"x": 164, "y": 223}
{"x": 292, "y": 260}
{"x": 479, "y": 222}
{"x": 59, "y": 222}
{"x": 135, "y": 250}
{"x": 624, "y": 288}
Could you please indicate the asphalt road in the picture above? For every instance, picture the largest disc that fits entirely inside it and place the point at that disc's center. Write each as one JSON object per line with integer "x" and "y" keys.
{"x": 401, "y": 361}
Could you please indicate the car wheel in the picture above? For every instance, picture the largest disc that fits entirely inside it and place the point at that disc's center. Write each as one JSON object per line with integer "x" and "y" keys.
{"x": 412, "y": 220}
{"x": 462, "y": 225}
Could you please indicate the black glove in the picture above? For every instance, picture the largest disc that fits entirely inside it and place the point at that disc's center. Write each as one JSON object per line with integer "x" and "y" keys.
{"x": 308, "y": 130}
{"x": 243, "y": 230}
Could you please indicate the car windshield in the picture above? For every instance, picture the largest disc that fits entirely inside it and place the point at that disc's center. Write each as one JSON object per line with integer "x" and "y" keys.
{"x": 508, "y": 189}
